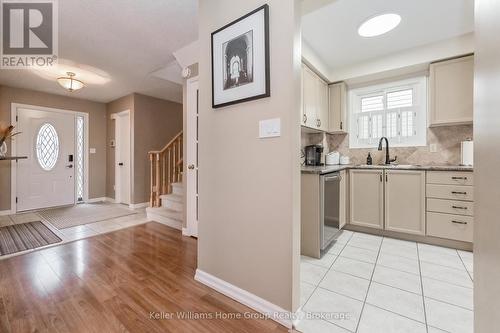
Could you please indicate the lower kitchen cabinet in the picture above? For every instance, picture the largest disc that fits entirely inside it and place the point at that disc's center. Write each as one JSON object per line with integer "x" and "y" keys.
{"x": 405, "y": 201}
{"x": 366, "y": 204}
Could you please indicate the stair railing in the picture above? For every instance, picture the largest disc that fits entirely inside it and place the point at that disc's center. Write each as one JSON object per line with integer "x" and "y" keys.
{"x": 166, "y": 169}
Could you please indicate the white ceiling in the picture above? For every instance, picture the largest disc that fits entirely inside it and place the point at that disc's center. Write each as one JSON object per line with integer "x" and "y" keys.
{"x": 331, "y": 31}
{"x": 127, "y": 39}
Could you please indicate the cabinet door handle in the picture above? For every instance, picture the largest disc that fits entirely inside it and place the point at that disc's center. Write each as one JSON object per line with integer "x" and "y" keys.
{"x": 458, "y": 222}
{"x": 319, "y": 122}
{"x": 386, "y": 178}
{"x": 455, "y": 192}
{"x": 304, "y": 118}
{"x": 341, "y": 125}
{"x": 457, "y": 178}
{"x": 458, "y": 207}
{"x": 381, "y": 180}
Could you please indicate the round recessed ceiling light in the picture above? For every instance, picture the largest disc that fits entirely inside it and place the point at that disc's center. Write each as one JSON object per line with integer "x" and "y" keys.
{"x": 379, "y": 25}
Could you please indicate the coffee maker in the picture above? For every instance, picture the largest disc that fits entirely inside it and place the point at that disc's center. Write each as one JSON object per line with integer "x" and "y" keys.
{"x": 313, "y": 155}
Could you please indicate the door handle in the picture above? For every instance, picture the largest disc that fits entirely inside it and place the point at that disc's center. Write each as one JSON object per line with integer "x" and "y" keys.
{"x": 456, "y": 192}
{"x": 191, "y": 166}
{"x": 458, "y": 222}
{"x": 120, "y": 164}
{"x": 70, "y": 166}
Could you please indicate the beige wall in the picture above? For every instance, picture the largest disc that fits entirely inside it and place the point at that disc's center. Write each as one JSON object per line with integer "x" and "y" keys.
{"x": 487, "y": 159}
{"x": 446, "y": 138}
{"x": 122, "y": 104}
{"x": 249, "y": 188}
{"x": 156, "y": 122}
{"x": 97, "y": 129}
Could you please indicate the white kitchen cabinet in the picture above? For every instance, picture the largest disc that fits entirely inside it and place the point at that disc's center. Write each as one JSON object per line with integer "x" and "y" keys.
{"x": 338, "y": 108}
{"x": 344, "y": 181}
{"x": 451, "y": 91}
{"x": 314, "y": 111}
{"x": 309, "y": 95}
{"x": 322, "y": 110}
{"x": 366, "y": 198}
{"x": 405, "y": 201}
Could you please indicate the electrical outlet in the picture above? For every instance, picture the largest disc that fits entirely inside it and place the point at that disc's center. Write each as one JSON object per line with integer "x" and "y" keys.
{"x": 433, "y": 148}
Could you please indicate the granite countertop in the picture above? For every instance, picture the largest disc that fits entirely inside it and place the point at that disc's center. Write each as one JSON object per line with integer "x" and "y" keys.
{"x": 323, "y": 169}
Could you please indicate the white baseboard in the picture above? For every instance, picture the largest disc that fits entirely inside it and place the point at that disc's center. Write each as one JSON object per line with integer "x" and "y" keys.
{"x": 258, "y": 304}
{"x": 139, "y": 205}
{"x": 6, "y": 212}
{"x": 92, "y": 200}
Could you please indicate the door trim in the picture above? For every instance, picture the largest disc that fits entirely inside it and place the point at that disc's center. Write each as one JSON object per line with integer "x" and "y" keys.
{"x": 13, "y": 148}
{"x": 115, "y": 116}
{"x": 191, "y": 228}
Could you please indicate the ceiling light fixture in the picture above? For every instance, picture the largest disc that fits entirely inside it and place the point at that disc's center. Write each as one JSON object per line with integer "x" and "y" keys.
{"x": 70, "y": 83}
{"x": 379, "y": 25}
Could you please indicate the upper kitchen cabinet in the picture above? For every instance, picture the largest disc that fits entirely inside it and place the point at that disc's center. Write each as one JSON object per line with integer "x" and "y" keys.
{"x": 314, "y": 111}
{"x": 338, "y": 108}
{"x": 451, "y": 91}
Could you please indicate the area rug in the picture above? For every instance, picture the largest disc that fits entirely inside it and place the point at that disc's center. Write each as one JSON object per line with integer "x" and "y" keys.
{"x": 81, "y": 214}
{"x": 26, "y": 236}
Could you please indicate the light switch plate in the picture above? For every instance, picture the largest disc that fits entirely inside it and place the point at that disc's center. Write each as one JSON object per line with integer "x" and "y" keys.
{"x": 92, "y": 150}
{"x": 270, "y": 128}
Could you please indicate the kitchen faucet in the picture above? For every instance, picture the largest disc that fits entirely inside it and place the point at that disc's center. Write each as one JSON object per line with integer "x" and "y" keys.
{"x": 387, "y": 158}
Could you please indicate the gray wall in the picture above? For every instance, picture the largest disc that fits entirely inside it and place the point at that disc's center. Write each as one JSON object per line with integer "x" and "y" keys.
{"x": 97, "y": 130}
{"x": 486, "y": 160}
{"x": 249, "y": 188}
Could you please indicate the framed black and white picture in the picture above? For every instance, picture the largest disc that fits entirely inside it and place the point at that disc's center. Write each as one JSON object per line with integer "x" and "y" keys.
{"x": 240, "y": 59}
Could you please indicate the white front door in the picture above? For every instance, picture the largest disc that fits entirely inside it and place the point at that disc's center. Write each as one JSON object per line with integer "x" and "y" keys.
{"x": 192, "y": 157}
{"x": 122, "y": 156}
{"x": 47, "y": 177}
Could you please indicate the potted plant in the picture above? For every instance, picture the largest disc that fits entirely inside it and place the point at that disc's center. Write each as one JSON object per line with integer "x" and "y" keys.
{"x": 6, "y": 132}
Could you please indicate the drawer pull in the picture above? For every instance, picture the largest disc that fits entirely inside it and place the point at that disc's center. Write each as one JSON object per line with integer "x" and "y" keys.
{"x": 458, "y": 207}
{"x": 459, "y": 178}
{"x": 455, "y": 192}
{"x": 458, "y": 222}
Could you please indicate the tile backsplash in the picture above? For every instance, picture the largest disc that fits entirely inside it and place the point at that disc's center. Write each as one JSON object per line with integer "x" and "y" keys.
{"x": 446, "y": 138}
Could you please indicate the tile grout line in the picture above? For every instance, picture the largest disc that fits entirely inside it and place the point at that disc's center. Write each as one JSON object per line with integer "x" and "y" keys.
{"x": 463, "y": 263}
{"x": 328, "y": 270}
{"x": 422, "y": 286}
{"x": 369, "y": 286}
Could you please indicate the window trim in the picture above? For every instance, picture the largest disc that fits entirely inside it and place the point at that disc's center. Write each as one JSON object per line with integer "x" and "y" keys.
{"x": 420, "y": 99}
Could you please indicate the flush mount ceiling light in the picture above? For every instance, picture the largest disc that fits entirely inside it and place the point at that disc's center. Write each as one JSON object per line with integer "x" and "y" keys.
{"x": 379, "y": 25}
{"x": 70, "y": 83}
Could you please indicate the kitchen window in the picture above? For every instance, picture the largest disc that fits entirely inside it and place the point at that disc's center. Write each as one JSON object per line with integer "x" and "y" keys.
{"x": 396, "y": 110}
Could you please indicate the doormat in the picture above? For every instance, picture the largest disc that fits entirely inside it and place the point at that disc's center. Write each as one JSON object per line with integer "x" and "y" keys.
{"x": 67, "y": 217}
{"x": 26, "y": 236}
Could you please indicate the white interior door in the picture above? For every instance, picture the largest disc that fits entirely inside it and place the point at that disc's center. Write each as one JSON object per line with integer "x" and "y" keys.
{"x": 192, "y": 157}
{"x": 122, "y": 158}
{"x": 47, "y": 177}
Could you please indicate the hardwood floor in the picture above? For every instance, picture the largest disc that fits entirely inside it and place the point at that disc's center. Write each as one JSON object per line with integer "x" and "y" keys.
{"x": 112, "y": 283}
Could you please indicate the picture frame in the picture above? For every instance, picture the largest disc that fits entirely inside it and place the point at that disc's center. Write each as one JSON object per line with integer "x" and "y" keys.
{"x": 240, "y": 59}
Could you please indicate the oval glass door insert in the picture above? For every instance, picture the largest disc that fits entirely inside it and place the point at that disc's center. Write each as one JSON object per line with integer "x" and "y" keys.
{"x": 47, "y": 147}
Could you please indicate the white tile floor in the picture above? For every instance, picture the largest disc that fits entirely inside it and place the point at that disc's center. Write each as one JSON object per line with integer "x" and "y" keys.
{"x": 373, "y": 284}
{"x": 78, "y": 232}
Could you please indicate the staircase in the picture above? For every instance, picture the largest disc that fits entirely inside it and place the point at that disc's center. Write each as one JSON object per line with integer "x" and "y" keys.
{"x": 170, "y": 211}
{"x": 167, "y": 192}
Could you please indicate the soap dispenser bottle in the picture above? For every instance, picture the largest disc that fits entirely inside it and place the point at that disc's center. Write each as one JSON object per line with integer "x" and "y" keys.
{"x": 369, "y": 160}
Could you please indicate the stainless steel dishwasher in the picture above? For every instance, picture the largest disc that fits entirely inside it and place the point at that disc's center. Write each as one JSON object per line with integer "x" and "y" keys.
{"x": 330, "y": 208}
